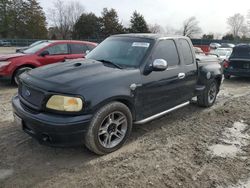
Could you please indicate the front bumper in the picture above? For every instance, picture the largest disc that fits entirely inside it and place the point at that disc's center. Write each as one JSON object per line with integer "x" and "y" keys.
{"x": 51, "y": 129}
{"x": 237, "y": 72}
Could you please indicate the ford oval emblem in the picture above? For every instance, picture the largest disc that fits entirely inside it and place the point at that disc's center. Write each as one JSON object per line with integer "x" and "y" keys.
{"x": 27, "y": 93}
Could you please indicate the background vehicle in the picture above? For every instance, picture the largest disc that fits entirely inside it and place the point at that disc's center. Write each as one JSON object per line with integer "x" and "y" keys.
{"x": 130, "y": 78}
{"x": 5, "y": 43}
{"x": 238, "y": 64}
{"x": 18, "y": 50}
{"x": 223, "y": 53}
{"x": 48, "y": 52}
{"x": 214, "y": 45}
{"x": 227, "y": 45}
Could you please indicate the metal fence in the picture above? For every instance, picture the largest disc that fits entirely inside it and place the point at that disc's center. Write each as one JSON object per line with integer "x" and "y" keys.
{"x": 26, "y": 42}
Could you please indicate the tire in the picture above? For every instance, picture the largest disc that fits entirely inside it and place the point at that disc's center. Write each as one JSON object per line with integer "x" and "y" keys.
{"x": 18, "y": 72}
{"x": 208, "y": 96}
{"x": 226, "y": 76}
{"x": 110, "y": 122}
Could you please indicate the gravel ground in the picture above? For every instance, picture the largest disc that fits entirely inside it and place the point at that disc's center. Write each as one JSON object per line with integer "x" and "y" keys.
{"x": 191, "y": 147}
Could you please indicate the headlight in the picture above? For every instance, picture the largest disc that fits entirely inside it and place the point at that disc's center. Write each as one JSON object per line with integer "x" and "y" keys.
{"x": 4, "y": 63}
{"x": 64, "y": 103}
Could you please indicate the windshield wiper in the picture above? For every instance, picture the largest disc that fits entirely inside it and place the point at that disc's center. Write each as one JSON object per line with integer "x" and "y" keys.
{"x": 110, "y": 62}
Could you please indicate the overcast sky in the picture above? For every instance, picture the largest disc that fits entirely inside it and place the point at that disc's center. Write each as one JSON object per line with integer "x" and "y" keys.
{"x": 212, "y": 14}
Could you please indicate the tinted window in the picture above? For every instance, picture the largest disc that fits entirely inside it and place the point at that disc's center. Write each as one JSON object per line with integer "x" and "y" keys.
{"x": 90, "y": 47}
{"x": 187, "y": 52}
{"x": 166, "y": 50}
{"x": 78, "y": 48}
{"x": 241, "y": 52}
{"x": 36, "y": 48}
{"x": 58, "y": 49}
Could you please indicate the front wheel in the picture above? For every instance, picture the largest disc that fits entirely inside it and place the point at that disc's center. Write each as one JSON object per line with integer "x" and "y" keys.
{"x": 208, "y": 96}
{"x": 109, "y": 128}
{"x": 18, "y": 72}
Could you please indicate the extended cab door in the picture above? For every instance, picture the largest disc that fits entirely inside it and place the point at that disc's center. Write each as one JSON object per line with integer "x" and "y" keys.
{"x": 189, "y": 69}
{"x": 162, "y": 90}
{"x": 56, "y": 53}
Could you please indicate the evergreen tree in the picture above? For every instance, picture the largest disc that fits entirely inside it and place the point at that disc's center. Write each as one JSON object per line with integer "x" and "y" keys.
{"x": 87, "y": 26}
{"x": 22, "y": 19}
{"x": 35, "y": 21}
{"x": 110, "y": 24}
{"x": 138, "y": 24}
{"x": 4, "y": 17}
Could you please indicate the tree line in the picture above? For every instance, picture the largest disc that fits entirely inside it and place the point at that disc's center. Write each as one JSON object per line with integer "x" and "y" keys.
{"x": 26, "y": 19}
{"x": 22, "y": 19}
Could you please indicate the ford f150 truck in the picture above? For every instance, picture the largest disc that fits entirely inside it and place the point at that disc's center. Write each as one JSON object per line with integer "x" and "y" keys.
{"x": 127, "y": 79}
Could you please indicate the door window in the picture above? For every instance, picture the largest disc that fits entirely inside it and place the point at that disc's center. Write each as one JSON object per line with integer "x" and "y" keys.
{"x": 187, "y": 52}
{"x": 78, "y": 48}
{"x": 166, "y": 49}
{"x": 58, "y": 49}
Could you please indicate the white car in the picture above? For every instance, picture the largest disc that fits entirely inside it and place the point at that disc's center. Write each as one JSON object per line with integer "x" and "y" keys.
{"x": 223, "y": 53}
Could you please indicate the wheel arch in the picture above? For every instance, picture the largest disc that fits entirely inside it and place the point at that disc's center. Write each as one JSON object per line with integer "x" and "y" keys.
{"x": 128, "y": 101}
{"x": 21, "y": 66}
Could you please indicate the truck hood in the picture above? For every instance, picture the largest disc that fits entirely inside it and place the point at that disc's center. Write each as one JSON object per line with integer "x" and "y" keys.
{"x": 74, "y": 75}
{"x": 10, "y": 56}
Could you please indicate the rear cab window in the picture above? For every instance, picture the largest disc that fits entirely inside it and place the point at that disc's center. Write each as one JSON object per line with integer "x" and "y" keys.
{"x": 167, "y": 50}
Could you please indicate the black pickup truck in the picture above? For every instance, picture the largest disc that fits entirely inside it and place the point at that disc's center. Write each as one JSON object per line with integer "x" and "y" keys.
{"x": 127, "y": 79}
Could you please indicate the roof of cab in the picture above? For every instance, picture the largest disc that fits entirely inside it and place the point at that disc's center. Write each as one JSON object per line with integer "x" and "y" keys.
{"x": 149, "y": 36}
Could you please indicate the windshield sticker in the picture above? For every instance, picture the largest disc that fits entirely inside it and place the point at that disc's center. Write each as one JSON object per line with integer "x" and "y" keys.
{"x": 141, "y": 44}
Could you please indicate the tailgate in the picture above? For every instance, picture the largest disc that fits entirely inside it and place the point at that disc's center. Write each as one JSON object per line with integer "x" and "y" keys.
{"x": 240, "y": 63}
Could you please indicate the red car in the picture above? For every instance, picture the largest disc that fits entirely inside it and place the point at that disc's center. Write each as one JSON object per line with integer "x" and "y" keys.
{"x": 47, "y": 52}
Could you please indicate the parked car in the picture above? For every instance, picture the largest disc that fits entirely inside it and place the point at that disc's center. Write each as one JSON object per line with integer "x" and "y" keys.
{"x": 12, "y": 65}
{"x": 5, "y": 43}
{"x": 214, "y": 45}
{"x": 198, "y": 51}
{"x": 202, "y": 57}
{"x": 227, "y": 45}
{"x": 130, "y": 78}
{"x": 223, "y": 53}
{"x": 238, "y": 64}
{"x": 21, "y": 49}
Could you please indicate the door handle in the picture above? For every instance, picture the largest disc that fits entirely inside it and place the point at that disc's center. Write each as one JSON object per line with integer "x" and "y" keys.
{"x": 181, "y": 75}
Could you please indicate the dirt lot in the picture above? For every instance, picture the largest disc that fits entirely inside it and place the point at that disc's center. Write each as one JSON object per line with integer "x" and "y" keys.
{"x": 191, "y": 147}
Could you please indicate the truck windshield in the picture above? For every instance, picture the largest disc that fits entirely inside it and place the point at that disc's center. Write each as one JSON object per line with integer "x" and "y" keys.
{"x": 122, "y": 51}
{"x": 36, "y": 48}
{"x": 241, "y": 52}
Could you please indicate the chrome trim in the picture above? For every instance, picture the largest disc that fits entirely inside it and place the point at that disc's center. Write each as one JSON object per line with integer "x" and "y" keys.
{"x": 161, "y": 114}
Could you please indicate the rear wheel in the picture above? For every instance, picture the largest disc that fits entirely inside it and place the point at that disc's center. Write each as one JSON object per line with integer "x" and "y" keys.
{"x": 18, "y": 72}
{"x": 208, "y": 96}
{"x": 109, "y": 128}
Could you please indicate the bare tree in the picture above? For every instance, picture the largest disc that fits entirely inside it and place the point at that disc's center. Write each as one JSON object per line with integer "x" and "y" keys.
{"x": 171, "y": 31}
{"x": 64, "y": 16}
{"x": 156, "y": 28}
{"x": 236, "y": 23}
{"x": 191, "y": 27}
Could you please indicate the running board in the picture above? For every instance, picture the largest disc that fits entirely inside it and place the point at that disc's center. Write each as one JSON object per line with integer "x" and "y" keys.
{"x": 161, "y": 114}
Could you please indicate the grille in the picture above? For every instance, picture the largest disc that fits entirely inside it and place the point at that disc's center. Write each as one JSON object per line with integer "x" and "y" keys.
{"x": 32, "y": 97}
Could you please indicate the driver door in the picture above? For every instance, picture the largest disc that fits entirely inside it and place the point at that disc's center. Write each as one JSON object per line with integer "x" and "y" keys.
{"x": 161, "y": 91}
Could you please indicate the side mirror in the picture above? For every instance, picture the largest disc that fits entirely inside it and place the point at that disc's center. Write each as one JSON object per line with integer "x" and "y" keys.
{"x": 44, "y": 53}
{"x": 159, "y": 65}
{"x": 87, "y": 52}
